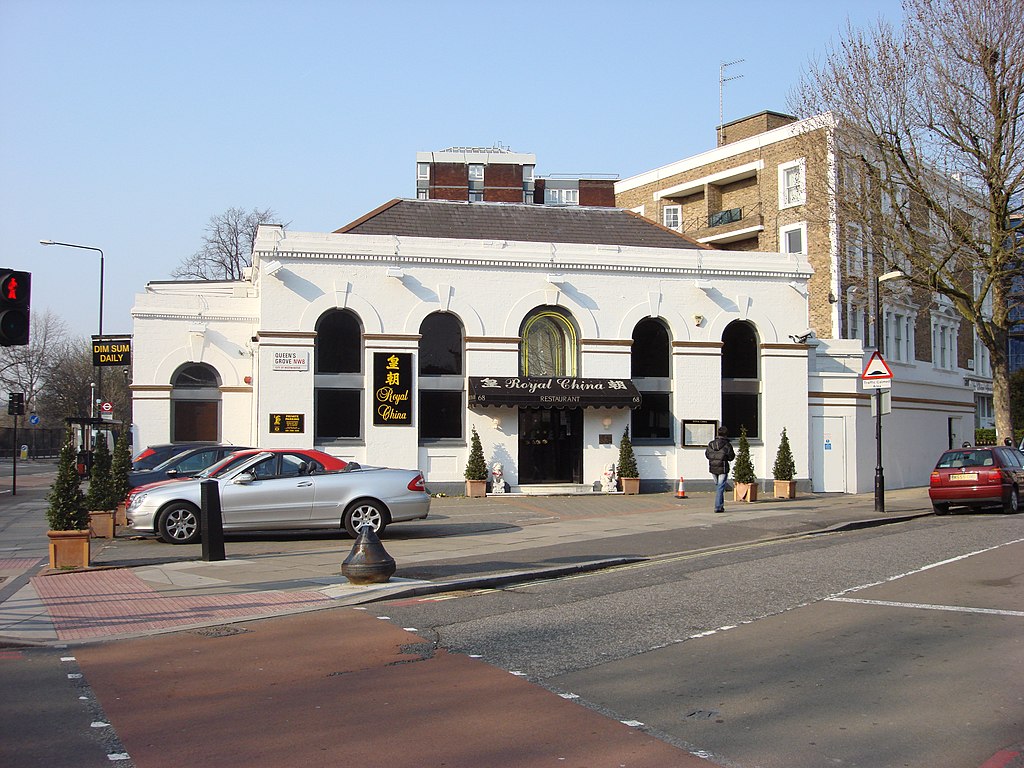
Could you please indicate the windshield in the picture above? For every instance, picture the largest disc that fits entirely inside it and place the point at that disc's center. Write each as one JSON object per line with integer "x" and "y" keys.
{"x": 966, "y": 458}
{"x": 222, "y": 467}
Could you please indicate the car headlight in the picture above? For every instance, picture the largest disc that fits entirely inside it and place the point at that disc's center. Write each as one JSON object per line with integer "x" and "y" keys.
{"x": 135, "y": 502}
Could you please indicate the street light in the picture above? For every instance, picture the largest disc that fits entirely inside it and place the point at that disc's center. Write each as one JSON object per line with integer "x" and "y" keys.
{"x": 99, "y": 375}
{"x": 896, "y": 274}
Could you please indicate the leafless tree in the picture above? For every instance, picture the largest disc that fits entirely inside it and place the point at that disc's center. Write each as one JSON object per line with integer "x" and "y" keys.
{"x": 27, "y": 368}
{"x": 227, "y": 245}
{"x": 928, "y": 123}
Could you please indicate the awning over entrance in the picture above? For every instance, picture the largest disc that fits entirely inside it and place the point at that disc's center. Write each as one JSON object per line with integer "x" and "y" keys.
{"x": 564, "y": 392}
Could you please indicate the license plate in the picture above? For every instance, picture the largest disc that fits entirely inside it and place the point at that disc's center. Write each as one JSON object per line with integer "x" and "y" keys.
{"x": 965, "y": 476}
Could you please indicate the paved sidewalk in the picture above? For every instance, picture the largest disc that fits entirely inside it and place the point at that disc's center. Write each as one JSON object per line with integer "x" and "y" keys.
{"x": 140, "y": 587}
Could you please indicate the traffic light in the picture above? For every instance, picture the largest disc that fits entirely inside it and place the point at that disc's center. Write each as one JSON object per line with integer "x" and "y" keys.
{"x": 16, "y": 404}
{"x": 15, "y": 292}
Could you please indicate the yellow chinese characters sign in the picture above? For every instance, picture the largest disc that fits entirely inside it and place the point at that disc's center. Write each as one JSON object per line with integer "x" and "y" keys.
{"x": 392, "y": 388}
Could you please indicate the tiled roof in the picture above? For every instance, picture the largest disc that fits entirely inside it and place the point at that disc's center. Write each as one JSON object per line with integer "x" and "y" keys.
{"x": 516, "y": 222}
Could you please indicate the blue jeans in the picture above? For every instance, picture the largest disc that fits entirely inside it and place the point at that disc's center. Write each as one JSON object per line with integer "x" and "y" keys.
{"x": 720, "y": 481}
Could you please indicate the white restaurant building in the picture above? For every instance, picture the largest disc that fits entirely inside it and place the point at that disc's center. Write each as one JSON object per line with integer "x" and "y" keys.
{"x": 548, "y": 330}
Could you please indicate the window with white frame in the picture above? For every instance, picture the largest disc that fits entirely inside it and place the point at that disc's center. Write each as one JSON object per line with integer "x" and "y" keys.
{"x": 856, "y": 325}
{"x": 854, "y": 250}
{"x": 672, "y": 216}
{"x": 944, "y": 330}
{"x": 899, "y": 335}
{"x": 984, "y": 412}
{"x": 561, "y": 196}
{"x": 792, "y": 189}
{"x": 476, "y": 172}
{"x": 528, "y": 174}
{"x": 793, "y": 238}
{"x": 423, "y": 171}
{"x": 982, "y": 358}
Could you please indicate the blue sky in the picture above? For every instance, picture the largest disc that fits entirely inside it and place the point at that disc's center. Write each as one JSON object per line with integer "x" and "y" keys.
{"x": 126, "y": 125}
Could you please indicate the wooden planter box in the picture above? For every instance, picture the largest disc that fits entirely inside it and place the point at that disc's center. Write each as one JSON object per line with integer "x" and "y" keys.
{"x": 744, "y": 492}
{"x": 630, "y": 485}
{"x": 121, "y": 518}
{"x": 785, "y": 489}
{"x": 476, "y": 489}
{"x": 101, "y": 523}
{"x": 69, "y": 549}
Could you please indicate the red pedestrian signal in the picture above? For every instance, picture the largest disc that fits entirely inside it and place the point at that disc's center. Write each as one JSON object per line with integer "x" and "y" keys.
{"x": 15, "y": 295}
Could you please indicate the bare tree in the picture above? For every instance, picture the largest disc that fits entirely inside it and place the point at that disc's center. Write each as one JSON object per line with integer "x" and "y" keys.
{"x": 929, "y": 118}
{"x": 27, "y": 368}
{"x": 227, "y": 245}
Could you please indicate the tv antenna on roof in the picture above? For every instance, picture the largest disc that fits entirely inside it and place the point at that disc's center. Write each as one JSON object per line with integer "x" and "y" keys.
{"x": 722, "y": 80}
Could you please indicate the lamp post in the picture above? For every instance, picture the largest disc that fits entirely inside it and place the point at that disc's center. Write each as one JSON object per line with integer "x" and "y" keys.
{"x": 99, "y": 375}
{"x": 880, "y": 346}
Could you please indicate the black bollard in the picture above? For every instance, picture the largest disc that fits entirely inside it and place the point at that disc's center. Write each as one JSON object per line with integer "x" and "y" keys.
{"x": 211, "y": 522}
{"x": 368, "y": 562}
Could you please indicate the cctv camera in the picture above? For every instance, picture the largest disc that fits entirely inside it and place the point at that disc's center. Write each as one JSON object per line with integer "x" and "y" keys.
{"x": 801, "y": 338}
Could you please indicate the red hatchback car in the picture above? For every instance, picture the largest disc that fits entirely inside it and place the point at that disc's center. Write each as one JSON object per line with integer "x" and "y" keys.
{"x": 978, "y": 477}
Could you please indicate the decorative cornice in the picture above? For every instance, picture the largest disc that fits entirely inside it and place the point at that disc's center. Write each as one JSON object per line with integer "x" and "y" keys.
{"x": 285, "y": 335}
{"x": 194, "y": 317}
{"x": 705, "y": 344}
{"x": 608, "y": 342}
{"x": 392, "y": 336}
{"x": 492, "y": 339}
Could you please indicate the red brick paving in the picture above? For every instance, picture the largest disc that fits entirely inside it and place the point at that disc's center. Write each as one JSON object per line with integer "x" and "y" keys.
{"x": 93, "y": 604}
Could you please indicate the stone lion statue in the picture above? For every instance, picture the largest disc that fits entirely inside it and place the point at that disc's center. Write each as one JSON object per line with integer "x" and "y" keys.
{"x": 497, "y": 478}
{"x": 608, "y": 479}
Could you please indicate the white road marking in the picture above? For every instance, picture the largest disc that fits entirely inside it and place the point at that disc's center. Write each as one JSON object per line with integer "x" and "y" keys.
{"x": 926, "y": 606}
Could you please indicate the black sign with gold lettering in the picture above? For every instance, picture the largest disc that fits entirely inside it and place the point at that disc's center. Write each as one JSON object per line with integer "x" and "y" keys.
{"x": 111, "y": 352}
{"x": 392, "y": 388}
{"x": 289, "y": 423}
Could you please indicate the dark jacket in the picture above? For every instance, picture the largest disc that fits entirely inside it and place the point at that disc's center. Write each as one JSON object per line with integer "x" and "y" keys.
{"x": 719, "y": 453}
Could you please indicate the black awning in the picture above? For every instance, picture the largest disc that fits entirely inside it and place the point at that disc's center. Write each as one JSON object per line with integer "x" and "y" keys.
{"x": 555, "y": 392}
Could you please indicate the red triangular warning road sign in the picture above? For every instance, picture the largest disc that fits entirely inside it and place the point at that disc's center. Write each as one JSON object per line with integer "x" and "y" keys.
{"x": 876, "y": 369}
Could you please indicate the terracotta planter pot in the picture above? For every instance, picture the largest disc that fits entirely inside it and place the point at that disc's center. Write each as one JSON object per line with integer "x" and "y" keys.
{"x": 785, "y": 489}
{"x": 744, "y": 492}
{"x": 101, "y": 523}
{"x": 476, "y": 489}
{"x": 69, "y": 549}
{"x": 630, "y": 485}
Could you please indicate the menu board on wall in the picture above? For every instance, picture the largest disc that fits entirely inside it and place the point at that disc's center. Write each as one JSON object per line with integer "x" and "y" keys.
{"x": 392, "y": 388}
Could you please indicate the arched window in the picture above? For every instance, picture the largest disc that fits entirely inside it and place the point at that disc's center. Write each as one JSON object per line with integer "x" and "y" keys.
{"x": 195, "y": 403}
{"x": 651, "y": 366}
{"x": 339, "y": 343}
{"x": 441, "y": 384}
{"x": 548, "y": 344}
{"x": 338, "y": 389}
{"x": 741, "y": 382}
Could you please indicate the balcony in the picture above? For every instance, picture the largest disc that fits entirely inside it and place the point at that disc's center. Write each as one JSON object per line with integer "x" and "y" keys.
{"x": 725, "y": 226}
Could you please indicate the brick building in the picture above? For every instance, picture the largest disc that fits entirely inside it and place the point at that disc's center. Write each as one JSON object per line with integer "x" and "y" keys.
{"x": 774, "y": 184}
{"x": 499, "y": 175}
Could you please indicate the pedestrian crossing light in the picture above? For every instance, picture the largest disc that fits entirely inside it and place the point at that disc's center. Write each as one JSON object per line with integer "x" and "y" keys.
{"x": 15, "y": 292}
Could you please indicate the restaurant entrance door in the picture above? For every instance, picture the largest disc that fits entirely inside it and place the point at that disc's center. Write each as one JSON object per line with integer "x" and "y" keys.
{"x": 550, "y": 445}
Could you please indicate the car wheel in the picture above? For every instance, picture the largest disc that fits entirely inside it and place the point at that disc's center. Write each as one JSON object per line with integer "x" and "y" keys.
{"x": 1012, "y": 505}
{"x": 941, "y": 509}
{"x": 362, "y": 512}
{"x": 179, "y": 523}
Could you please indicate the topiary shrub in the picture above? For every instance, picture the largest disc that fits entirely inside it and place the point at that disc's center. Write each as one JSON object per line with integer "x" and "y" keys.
{"x": 120, "y": 466}
{"x": 99, "y": 495}
{"x": 784, "y": 467}
{"x": 743, "y": 470}
{"x": 66, "y": 507}
{"x": 627, "y": 460}
{"x": 476, "y": 467}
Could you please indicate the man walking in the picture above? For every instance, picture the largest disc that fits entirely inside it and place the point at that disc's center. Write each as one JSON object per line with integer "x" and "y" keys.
{"x": 719, "y": 453}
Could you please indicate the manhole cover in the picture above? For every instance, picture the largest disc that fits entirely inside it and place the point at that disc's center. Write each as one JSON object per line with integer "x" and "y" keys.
{"x": 219, "y": 631}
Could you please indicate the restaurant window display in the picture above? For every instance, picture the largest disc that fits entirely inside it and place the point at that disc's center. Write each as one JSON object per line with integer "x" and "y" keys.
{"x": 338, "y": 355}
{"x": 441, "y": 382}
{"x": 650, "y": 369}
{"x": 195, "y": 404}
{"x": 741, "y": 382}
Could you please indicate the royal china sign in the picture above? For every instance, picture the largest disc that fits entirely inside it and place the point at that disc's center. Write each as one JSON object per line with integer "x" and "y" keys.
{"x": 553, "y": 392}
{"x": 392, "y": 388}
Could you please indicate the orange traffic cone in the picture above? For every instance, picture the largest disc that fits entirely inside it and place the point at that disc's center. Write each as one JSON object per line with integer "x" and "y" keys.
{"x": 681, "y": 490}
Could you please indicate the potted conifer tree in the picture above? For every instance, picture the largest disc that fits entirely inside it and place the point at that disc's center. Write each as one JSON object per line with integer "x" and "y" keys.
{"x": 98, "y": 499}
{"x": 784, "y": 469}
{"x": 476, "y": 469}
{"x": 120, "y": 466}
{"x": 629, "y": 474}
{"x": 744, "y": 479}
{"x": 66, "y": 513}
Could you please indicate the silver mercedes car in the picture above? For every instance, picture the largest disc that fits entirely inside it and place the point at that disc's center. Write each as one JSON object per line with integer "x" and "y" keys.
{"x": 280, "y": 491}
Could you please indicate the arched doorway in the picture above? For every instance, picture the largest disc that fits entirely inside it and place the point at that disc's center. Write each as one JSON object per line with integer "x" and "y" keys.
{"x": 195, "y": 404}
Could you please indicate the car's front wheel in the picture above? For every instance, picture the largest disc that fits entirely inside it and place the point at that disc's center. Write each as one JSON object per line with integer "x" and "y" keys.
{"x": 1012, "y": 504}
{"x": 179, "y": 523}
{"x": 363, "y": 512}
